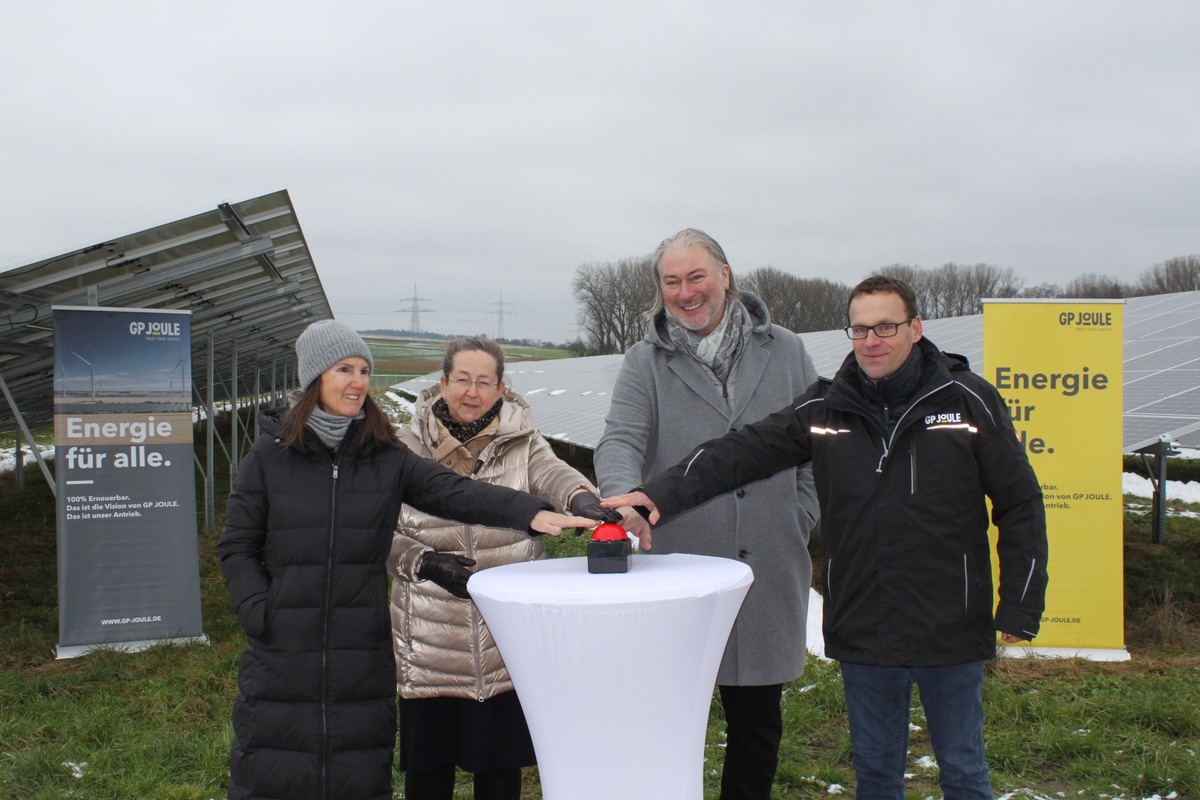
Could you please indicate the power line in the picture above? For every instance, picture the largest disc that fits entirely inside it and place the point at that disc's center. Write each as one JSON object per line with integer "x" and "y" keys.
{"x": 500, "y": 316}
{"x": 414, "y": 324}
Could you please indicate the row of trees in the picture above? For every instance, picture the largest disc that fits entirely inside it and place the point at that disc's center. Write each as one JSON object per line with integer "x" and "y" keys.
{"x": 613, "y": 297}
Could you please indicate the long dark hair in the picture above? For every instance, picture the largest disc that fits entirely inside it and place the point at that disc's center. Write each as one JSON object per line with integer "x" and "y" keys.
{"x": 376, "y": 428}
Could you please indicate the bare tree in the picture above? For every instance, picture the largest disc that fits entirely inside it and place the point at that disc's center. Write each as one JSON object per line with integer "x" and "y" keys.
{"x": 976, "y": 282}
{"x": 824, "y": 305}
{"x": 920, "y": 281}
{"x": 1092, "y": 285}
{"x": 613, "y": 298}
{"x": 1180, "y": 274}
{"x": 909, "y": 273}
{"x": 798, "y": 304}
{"x": 1042, "y": 290}
{"x": 779, "y": 291}
{"x": 955, "y": 290}
{"x": 949, "y": 291}
{"x": 590, "y": 286}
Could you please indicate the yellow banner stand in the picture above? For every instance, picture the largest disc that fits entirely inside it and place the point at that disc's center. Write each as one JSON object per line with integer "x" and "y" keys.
{"x": 1058, "y": 365}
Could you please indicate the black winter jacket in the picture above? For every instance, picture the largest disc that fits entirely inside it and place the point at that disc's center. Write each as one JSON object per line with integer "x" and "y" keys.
{"x": 307, "y": 534}
{"x": 908, "y": 579}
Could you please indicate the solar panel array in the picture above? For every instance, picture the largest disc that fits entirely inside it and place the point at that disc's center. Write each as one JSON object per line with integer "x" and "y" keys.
{"x": 1162, "y": 370}
{"x": 1161, "y": 365}
{"x": 242, "y": 269}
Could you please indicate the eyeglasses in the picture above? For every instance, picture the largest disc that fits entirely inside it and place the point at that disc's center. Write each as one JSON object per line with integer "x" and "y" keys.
{"x": 462, "y": 384}
{"x": 883, "y": 330}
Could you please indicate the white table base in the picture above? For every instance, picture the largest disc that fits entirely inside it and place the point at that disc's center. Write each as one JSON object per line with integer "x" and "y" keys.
{"x": 615, "y": 672}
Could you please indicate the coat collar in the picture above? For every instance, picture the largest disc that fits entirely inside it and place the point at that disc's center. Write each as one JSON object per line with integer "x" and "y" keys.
{"x": 935, "y": 368}
{"x": 516, "y": 416}
{"x": 271, "y": 422}
{"x": 746, "y": 376}
{"x": 760, "y": 317}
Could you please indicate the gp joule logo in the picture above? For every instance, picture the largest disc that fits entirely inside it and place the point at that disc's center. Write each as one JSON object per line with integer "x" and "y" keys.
{"x": 154, "y": 328}
{"x": 944, "y": 419}
{"x": 1086, "y": 319}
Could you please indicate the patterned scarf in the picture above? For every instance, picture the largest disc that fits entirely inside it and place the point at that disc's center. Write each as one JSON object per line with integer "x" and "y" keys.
{"x": 464, "y": 431}
{"x": 719, "y": 350}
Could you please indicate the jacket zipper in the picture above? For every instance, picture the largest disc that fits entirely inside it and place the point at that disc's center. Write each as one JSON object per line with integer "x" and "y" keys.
{"x": 966, "y": 585}
{"x": 325, "y": 635}
{"x": 912, "y": 467}
{"x": 476, "y": 653}
{"x": 887, "y": 445}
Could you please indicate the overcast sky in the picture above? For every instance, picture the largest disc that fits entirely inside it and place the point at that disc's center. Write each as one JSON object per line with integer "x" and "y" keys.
{"x": 481, "y": 151}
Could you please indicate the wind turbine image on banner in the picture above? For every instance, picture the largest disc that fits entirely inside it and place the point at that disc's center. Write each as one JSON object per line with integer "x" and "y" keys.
{"x": 93, "y": 368}
{"x": 62, "y": 367}
{"x": 182, "y": 376}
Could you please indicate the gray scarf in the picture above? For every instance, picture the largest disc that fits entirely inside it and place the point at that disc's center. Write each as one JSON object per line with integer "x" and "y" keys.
{"x": 330, "y": 428}
{"x": 719, "y": 350}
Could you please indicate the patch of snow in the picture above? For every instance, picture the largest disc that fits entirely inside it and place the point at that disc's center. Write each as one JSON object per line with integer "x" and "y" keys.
{"x": 8, "y": 456}
{"x": 402, "y": 403}
{"x": 1138, "y": 486}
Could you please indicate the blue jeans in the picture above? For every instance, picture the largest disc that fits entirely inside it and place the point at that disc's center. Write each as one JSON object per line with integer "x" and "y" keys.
{"x": 878, "y": 700}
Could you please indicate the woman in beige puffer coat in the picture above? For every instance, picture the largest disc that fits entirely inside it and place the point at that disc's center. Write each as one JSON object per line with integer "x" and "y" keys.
{"x": 457, "y": 704}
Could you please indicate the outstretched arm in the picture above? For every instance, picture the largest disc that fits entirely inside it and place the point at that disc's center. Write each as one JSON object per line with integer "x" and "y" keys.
{"x": 554, "y": 523}
{"x": 634, "y": 499}
{"x": 777, "y": 442}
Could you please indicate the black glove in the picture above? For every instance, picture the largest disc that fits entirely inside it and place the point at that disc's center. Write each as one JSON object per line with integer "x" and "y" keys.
{"x": 586, "y": 504}
{"x": 448, "y": 571}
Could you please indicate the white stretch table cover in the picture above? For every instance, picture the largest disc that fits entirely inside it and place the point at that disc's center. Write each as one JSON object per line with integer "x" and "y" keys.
{"x": 615, "y": 671}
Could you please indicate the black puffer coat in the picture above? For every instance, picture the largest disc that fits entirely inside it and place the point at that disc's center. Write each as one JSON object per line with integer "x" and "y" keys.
{"x": 303, "y": 550}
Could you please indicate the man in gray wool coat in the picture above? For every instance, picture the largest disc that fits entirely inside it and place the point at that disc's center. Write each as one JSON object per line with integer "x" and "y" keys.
{"x": 712, "y": 362}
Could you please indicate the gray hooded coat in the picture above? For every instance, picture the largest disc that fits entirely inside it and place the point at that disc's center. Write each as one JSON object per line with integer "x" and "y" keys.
{"x": 664, "y": 403}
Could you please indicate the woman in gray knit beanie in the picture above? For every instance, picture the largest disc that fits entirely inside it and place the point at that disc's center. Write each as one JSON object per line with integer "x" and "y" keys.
{"x": 335, "y": 368}
{"x": 308, "y": 528}
{"x": 332, "y": 352}
{"x": 323, "y": 344}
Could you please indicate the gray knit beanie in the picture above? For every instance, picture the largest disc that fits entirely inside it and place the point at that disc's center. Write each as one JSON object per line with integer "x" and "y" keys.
{"x": 323, "y": 344}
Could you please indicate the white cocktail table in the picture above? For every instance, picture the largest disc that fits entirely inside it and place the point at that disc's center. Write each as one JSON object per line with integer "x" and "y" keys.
{"x": 615, "y": 671}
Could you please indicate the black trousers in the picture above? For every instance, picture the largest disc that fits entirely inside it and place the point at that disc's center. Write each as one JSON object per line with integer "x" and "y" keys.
{"x": 754, "y": 726}
{"x": 498, "y": 783}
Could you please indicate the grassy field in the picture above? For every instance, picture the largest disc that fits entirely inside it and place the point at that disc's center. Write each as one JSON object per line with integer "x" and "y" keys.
{"x": 155, "y": 724}
{"x": 398, "y": 360}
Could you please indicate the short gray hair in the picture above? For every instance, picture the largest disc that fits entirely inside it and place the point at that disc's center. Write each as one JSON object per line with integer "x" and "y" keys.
{"x": 685, "y": 238}
{"x": 480, "y": 343}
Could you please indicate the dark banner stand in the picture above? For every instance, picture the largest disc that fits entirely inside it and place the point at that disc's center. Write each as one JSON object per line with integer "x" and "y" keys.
{"x": 128, "y": 561}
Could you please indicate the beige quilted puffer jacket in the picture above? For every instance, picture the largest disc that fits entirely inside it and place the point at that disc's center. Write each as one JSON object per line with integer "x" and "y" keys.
{"x": 443, "y": 648}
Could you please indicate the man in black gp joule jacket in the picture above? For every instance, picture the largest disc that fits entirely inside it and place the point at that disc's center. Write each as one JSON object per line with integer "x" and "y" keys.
{"x": 906, "y": 445}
